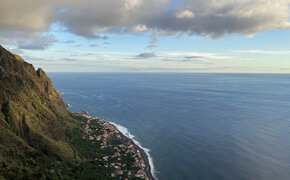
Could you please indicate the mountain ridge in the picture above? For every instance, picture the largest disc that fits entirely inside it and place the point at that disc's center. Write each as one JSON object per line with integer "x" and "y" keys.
{"x": 33, "y": 121}
{"x": 41, "y": 139}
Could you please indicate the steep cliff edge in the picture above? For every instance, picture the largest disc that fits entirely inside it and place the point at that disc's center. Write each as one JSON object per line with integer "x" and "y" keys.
{"x": 33, "y": 122}
{"x": 40, "y": 139}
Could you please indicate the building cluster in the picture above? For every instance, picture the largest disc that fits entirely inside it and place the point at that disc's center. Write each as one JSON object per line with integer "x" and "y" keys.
{"x": 125, "y": 148}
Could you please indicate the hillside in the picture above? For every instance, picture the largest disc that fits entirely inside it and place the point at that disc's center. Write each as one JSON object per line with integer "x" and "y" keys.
{"x": 40, "y": 139}
{"x": 33, "y": 122}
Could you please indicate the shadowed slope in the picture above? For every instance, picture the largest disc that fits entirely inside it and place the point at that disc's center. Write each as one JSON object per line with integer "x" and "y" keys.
{"x": 33, "y": 121}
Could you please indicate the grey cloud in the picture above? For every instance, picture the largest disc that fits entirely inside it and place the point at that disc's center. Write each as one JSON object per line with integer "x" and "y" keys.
{"x": 209, "y": 18}
{"x": 28, "y": 15}
{"x": 150, "y": 46}
{"x": 153, "y": 42}
{"x": 32, "y": 58}
{"x": 193, "y": 57}
{"x": 145, "y": 55}
{"x": 94, "y": 45}
{"x": 95, "y": 19}
{"x": 38, "y": 43}
{"x": 187, "y": 60}
{"x": 214, "y": 19}
{"x": 69, "y": 41}
{"x": 182, "y": 69}
{"x": 196, "y": 59}
{"x": 27, "y": 40}
{"x": 16, "y": 51}
{"x": 68, "y": 59}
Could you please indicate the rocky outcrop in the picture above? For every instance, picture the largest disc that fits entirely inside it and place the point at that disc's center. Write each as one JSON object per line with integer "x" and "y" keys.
{"x": 33, "y": 120}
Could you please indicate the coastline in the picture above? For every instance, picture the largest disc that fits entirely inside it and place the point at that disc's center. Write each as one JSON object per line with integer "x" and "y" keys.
{"x": 142, "y": 152}
{"x": 147, "y": 162}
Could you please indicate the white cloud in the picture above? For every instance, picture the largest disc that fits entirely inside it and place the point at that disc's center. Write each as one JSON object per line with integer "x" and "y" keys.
{"x": 131, "y": 4}
{"x": 140, "y": 28}
{"x": 184, "y": 14}
{"x": 263, "y": 52}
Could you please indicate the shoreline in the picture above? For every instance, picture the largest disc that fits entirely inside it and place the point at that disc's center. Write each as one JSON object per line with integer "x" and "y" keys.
{"x": 143, "y": 152}
{"x": 147, "y": 162}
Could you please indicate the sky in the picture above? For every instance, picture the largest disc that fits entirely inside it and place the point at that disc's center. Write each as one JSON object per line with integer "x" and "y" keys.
{"x": 219, "y": 36}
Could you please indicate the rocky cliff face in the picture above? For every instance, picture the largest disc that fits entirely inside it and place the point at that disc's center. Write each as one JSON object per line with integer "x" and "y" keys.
{"x": 33, "y": 120}
{"x": 28, "y": 95}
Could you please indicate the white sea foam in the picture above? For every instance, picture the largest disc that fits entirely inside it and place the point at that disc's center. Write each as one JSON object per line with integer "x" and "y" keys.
{"x": 126, "y": 132}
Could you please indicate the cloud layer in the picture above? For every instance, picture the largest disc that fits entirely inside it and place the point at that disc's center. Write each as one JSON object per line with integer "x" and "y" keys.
{"x": 211, "y": 18}
{"x": 94, "y": 18}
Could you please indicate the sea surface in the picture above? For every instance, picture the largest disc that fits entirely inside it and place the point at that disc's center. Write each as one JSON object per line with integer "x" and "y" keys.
{"x": 196, "y": 126}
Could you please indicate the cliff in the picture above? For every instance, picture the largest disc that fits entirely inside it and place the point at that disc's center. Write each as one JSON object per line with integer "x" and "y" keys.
{"x": 40, "y": 139}
{"x": 33, "y": 122}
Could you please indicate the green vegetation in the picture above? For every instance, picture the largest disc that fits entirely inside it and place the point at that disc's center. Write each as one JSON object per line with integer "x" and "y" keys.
{"x": 19, "y": 58}
{"x": 92, "y": 154}
{"x": 39, "y": 138}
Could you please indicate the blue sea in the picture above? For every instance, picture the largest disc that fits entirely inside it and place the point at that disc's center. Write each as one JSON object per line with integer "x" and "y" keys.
{"x": 195, "y": 126}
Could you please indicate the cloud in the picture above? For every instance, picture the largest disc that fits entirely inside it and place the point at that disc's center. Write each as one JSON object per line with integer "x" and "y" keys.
{"x": 27, "y": 40}
{"x": 38, "y": 43}
{"x": 153, "y": 42}
{"x": 209, "y": 18}
{"x": 262, "y": 52}
{"x": 16, "y": 51}
{"x": 193, "y": 56}
{"x": 183, "y": 57}
{"x": 94, "y": 45}
{"x": 184, "y": 14}
{"x": 94, "y": 19}
{"x": 69, "y": 41}
{"x": 68, "y": 59}
{"x": 89, "y": 54}
{"x": 28, "y": 15}
{"x": 145, "y": 55}
{"x": 33, "y": 59}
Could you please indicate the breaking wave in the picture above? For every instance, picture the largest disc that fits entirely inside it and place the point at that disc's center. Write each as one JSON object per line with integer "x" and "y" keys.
{"x": 126, "y": 132}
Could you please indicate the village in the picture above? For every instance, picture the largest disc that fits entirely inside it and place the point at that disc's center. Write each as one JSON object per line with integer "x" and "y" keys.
{"x": 109, "y": 137}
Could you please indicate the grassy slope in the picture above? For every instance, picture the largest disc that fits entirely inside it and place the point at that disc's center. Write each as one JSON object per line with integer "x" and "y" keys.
{"x": 39, "y": 138}
{"x": 33, "y": 124}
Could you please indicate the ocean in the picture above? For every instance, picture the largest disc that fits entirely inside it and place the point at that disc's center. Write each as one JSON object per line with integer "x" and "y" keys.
{"x": 194, "y": 126}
